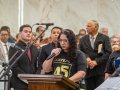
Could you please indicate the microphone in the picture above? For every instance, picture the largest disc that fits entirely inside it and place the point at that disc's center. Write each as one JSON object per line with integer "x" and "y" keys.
{"x": 37, "y": 24}
{"x": 52, "y": 55}
{"x": 116, "y": 72}
{"x": 16, "y": 47}
{"x": 47, "y": 24}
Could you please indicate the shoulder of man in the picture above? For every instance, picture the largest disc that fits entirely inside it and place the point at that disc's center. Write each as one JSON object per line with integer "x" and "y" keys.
{"x": 102, "y": 35}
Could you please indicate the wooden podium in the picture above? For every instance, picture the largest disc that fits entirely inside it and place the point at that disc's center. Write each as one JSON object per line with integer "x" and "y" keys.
{"x": 48, "y": 82}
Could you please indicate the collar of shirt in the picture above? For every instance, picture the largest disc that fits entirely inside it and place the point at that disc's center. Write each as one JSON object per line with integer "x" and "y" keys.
{"x": 21, "y": 42}
{"x": 4, "y": 43}
{"x": 93, "y": 36}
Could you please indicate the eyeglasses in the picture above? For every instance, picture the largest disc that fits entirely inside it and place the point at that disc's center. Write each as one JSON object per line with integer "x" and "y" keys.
{"x": 4, "y": 34}
{"x": 63, "y": 40}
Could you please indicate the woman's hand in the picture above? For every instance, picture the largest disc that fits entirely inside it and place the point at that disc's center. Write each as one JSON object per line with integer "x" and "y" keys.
{"x": 56, "y": 51}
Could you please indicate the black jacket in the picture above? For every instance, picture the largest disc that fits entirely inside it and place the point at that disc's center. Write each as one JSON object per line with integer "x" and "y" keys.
{"x": 23, "y": 65}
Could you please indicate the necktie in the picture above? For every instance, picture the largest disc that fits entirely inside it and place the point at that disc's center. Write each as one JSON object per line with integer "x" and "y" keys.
{"x": 92, "y": 42}
{"x": 29, "y": 54}
{"x": 6, "y": 48}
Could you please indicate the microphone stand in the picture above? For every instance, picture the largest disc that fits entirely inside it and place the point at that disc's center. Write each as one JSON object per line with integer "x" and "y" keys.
{"x": 15, "y": 61}
{"x": 7, "y": 74}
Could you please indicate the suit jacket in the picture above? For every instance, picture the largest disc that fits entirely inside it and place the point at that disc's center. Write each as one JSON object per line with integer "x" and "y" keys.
{"x": 101, "y": 58}
{"x": 23, "y": 65}
{"x": 2, "y": 53}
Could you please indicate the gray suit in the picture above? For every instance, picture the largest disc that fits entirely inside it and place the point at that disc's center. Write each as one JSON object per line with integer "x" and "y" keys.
{"x": 2, "y": 53}
{"x": 2, "y": 59}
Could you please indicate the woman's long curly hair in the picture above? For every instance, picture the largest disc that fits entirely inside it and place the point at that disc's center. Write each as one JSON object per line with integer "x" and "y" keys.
{"x": 72, "y": 43}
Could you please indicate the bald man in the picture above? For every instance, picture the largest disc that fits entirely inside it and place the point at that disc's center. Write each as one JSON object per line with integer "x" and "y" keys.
{"x": 97, "y": 48}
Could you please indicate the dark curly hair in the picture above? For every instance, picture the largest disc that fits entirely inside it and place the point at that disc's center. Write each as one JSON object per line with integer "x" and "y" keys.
{"x": 72, "y": 43}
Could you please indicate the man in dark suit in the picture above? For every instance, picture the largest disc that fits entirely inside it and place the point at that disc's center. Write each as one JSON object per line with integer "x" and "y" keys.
{"x": 97, "y": 48}
{"x": 27, "y": 63}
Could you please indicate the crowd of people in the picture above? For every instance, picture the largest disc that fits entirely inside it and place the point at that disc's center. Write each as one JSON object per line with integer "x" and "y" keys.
{"x": 90, "y": 55}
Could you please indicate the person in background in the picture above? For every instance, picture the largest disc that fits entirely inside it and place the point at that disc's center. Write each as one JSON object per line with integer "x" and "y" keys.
{"x": 11, "y": 38}
{"x": 70, "y": 62}
{"x": 104, "y": 31}
{"x": 34, "y": 37}
{"x": 4, "y": 45}
{"x": 4, "y": 48}
{"x": 43, "y": 41}
{"x": 115, "y": 42}
{"x": 27, "y": 63}
{"x": 17, "y": 37}
{"x": 114, "y": 59}
{"x": 82, "y": 32}
{"x": 46, "y": 49}
{"x": 39, "y": 30}
{"x": 97, "y": 48}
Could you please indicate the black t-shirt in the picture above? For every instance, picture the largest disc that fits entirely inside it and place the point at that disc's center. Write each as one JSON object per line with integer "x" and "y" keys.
{"x": 113, "y": 62}
{"x": 62, "y": 66}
